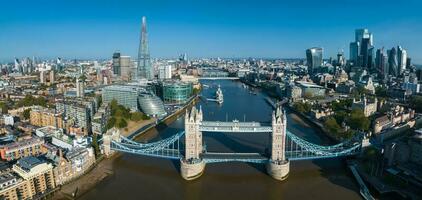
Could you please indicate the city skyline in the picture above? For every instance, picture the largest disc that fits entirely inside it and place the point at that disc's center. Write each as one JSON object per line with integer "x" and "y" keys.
{"x": 206, "y": 29}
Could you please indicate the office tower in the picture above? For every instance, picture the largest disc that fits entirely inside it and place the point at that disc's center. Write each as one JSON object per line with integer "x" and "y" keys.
{"x": 401, "y": 59}
{"x": 314, "y": 58}
{"x": 354, "y": 51}
{"x": 392, "y": 62}
{"x": 59, "y": 64}
{"x": 125, "y": 67}
{"x": 80, "y": 91}
{"x": 116, "y": 64}
{"x": 52, "y": 77}
{"x": 145, "y": 69}
{"x": 381, "y": 63}
{"x": 408, "y": 63}
{"x": 361, "y": 50}
{"x": 340, "y": 59}
{"x": 17, "y": 66}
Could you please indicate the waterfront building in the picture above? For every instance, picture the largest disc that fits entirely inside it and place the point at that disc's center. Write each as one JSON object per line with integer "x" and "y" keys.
{"x": 368, "y": 108}
{"x": 126, "y": 95}
{"x": 176, "y": 92}
{"x": 310, "y": 89}
{"x": 13, "y": 187}
{"x": 293, "y": 92}
{"x": 151, "y": 105}
{"x": 30, "y": 146}
{"x": 38, "y": 174}
{"x": 73, "y": 164}
{"x": 145, "y": 69}
{"x": 116, "y": 64}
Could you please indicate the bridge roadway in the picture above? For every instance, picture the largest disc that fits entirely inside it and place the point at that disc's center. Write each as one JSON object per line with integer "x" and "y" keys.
{"x": 218, "y": 78}
{"x": 235, "y": 126}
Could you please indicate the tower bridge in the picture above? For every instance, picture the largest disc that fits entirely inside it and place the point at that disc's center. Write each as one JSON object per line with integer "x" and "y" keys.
{"x": 187, "y": 146}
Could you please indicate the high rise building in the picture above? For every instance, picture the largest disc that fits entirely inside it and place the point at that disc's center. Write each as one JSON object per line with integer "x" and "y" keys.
{"x": 116, "y": 64}
{"x": 125, "y": 67}
{"x": 361, "y": 50}
{"x": 314, "y": 58}
{"x": 401, "y": 59}
{"x": 392, "y": 62}
{"x": 354, "y": 51}
{"x": 381, "y": 63}
{"x": 145, "y": 69}
{"x": 80, "y": 91}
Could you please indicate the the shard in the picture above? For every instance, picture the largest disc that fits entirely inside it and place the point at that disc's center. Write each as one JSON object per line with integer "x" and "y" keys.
{"x": 145, "y": 70}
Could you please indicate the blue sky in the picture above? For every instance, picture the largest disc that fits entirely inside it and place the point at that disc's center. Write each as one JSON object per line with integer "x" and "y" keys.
{"x": 213, "y": 28}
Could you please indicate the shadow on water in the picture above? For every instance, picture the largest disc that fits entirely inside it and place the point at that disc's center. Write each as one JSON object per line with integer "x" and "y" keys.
{"x": 235, "y": 146}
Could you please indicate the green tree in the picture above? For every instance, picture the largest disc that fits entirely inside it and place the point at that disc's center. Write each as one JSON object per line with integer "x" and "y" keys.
{"x": 136, "y": 116}
{"x": 358, "y": 121}
{"x": 4, "y": 107}
{"x": 416, "y": 103}
{"x": 110, "y": 123}
{"x": 340, "y": 116}
{"x": 332, "y": 126}
{"x": 122, "y": 123}
{"x": 95, "y": 145}
{"x": 26, "y": 113}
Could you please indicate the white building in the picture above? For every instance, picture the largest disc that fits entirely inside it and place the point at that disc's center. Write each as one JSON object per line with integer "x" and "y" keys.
{"x": 164, "y": 72}
{"x": 8, "y": 120}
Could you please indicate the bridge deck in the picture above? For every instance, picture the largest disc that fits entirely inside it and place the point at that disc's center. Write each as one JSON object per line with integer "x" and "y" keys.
{"x": 210, "y": 157}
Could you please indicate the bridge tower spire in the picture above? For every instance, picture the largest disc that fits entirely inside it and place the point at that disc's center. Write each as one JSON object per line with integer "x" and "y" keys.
{"x": 192, "y": 165}
{"x": 278, "y": 166}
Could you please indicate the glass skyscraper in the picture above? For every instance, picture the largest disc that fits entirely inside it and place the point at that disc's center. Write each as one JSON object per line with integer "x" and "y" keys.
{"x": 145, "y": 69}
{"x": 314, "y": 58}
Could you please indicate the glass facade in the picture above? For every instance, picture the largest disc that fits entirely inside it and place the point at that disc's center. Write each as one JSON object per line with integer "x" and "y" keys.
{"x": 125, "y": 95}
{"x": 176, "y": 92}
{"x": 151, "y": 105}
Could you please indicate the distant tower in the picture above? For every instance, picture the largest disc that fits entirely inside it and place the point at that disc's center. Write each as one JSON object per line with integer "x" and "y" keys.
{"x": 80, "y": 91}
{"x": 145, "y": 69}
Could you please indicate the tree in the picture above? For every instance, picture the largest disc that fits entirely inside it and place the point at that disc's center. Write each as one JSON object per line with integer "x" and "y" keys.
{"x": 332, "y": 126}
{"x": 136, "y": 116}
{"x": 95, "y": 145}
{"x": 416, "y": 103}
{"x": 110, "y": 123}
{"x": 340, "y": 116}
{"x": 358, "y": 121}
{"x": 26, "y": 113}
{"x": 4, "y": 107}
{"x": 122, "y": 123}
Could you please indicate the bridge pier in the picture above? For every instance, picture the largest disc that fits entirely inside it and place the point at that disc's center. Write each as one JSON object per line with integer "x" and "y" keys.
{"x": 279, "y": 170}
{"x": 191, "y": 170}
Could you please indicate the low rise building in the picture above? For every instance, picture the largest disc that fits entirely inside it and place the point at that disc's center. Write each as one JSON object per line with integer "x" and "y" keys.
{"x": 75, "y": 163}
{"x": 31, "y": 146}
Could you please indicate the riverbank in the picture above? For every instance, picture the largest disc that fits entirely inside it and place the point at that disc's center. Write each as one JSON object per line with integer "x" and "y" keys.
{"x": 104, "y": 167}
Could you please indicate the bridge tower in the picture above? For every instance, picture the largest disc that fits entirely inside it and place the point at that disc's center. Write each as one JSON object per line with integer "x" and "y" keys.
{"x": 278, "y": 166}
{"x": 192, "y": 165}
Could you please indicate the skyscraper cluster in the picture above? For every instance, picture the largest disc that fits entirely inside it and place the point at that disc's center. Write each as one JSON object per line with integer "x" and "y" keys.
{"x": 363, "y": 55}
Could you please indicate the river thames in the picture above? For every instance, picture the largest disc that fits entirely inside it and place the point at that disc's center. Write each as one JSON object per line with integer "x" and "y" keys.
{"x": 138, "y": 177}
